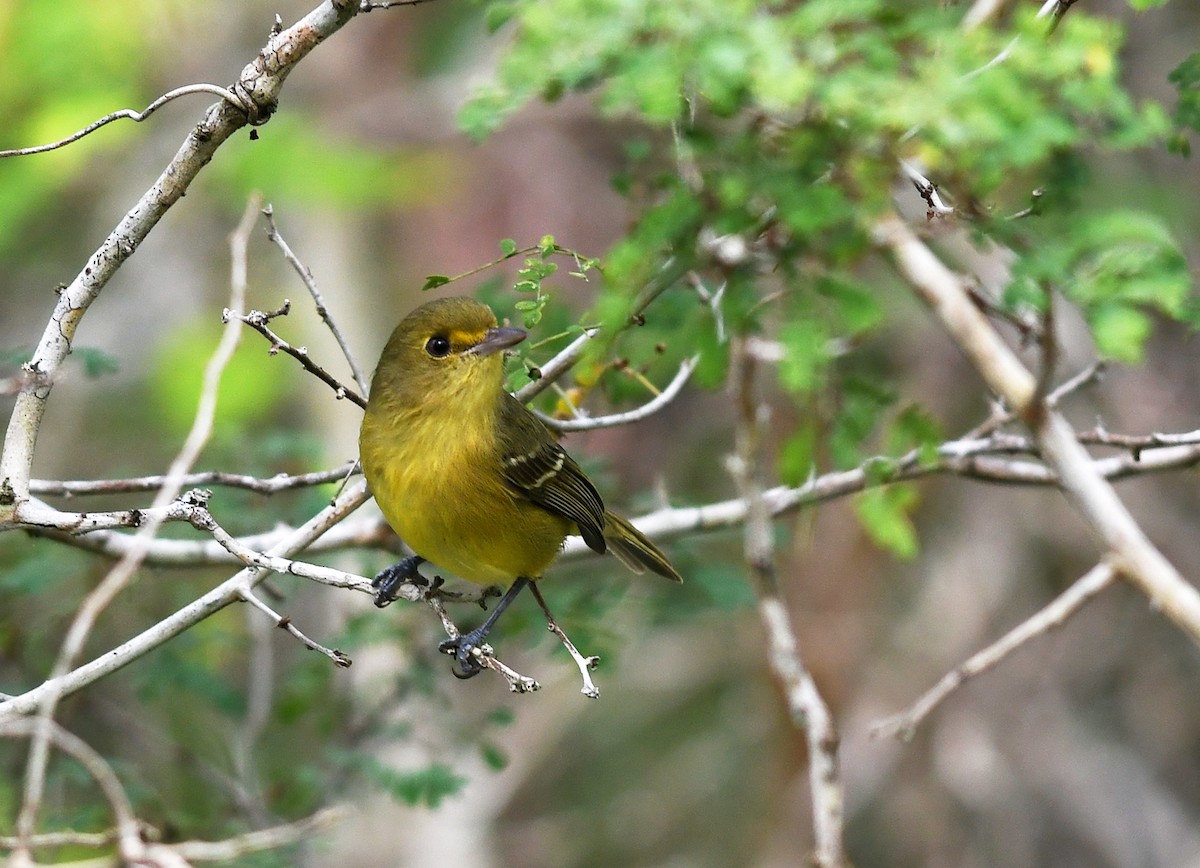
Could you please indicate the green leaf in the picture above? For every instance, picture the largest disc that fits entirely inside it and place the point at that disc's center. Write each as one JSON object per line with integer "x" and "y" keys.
{"x": 433, "y": 281}
{"x": 884, "y": 514}
{"x": 797, "y": 456}
{"x": 508, "y": 247}
{"x": 501, "y": 716}
{"x": 1186, "y": 78}
{"x": 498, "y": 14}
{"x": 915, "y": 428}
{"x": 857, "y": 308}
{"x": 805, "y": 355}
{"x": 1120, "y": 332}
{"x": 427, "y": 787}
{"x": 96, "y": 362}
{"x": 495, "y": 758}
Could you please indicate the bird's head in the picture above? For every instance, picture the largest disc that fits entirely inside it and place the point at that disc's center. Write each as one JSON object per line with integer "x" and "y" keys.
{"x": 448, "y": 348}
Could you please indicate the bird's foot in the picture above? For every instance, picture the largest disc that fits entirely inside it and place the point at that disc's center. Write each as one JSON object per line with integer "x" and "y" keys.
{"x": 466, "y": 649}
{"x": 388, "y": 581}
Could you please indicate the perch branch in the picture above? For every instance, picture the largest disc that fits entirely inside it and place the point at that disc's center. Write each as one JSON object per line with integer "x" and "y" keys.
{"x": 585, "y": 664}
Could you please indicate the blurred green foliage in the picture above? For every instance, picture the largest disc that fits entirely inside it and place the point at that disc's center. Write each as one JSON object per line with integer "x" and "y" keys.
{"x": 781, "y": 125}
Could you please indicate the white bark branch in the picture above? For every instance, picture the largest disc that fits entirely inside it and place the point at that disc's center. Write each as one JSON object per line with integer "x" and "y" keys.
{"x": 1055, "y": 614}
{"x": 257, "y": 91}
{"x": 1135, "y": 557}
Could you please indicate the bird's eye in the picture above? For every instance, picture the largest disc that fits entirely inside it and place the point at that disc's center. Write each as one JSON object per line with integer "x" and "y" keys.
{"x": 438, "y": 347}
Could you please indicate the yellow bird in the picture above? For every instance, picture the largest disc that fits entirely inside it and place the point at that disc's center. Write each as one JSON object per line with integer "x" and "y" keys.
{"x": 467, "y": 476}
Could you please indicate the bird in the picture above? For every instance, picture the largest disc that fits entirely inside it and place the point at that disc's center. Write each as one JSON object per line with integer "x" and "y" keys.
{"x": 467, "y": 476}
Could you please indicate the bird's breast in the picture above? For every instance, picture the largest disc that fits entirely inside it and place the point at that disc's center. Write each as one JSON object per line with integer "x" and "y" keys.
{"x": 437, "y": 480}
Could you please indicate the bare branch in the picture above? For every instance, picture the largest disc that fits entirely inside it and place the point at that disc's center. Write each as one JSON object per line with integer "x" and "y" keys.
{"x": 196, "y": 611}
{"x": 972, "y": 457}
{"x": 483, "y": 654}
{"x": 561, "y": 363}
{"x": 1135, "y": 556}
{"x": 585, "y": 664}
{"x": 257, "y": 90}
{"x": 981, "y": 12}
{"x": 928, "y": 191}
{"x": 808, "y": 709}
{"x": 1054, "y": 615}
{"x": 257, "y": 320}
{"x": 136, "y": 116}
{"x": 284, "y": 623}
{"x": 260, "y": 485}
{"x": 306, "y": 276}
{"x": 65, "y": 838}
{"x": 665, "y": 397}
{"x": 262, "y": 839}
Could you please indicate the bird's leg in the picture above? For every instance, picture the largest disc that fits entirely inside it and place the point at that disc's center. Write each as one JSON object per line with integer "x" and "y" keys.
{"x": 461, "y": 647}
{"x": 389, "y": 580}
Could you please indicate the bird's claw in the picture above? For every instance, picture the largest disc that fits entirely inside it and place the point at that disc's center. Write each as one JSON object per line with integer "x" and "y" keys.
{"x": 466, "y": 652}
{"x": 388, "y": 581}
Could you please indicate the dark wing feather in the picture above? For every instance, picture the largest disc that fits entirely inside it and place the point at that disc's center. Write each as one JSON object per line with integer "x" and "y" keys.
{"x": 536, "y": 466}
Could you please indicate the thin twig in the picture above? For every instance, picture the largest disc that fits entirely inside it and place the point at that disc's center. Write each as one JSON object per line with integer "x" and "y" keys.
{"x": 1054, "y": 615}
{"x": 260, "y": 485}
{"x": 661, "y": 400}
{"x": 585, "y": 664}
{"x": 483, "y": 654}
{"x": 123, "y": 572}
{"x": 306, "y": 276}
{"x": 285, "y": 623}
{"x": 136, "y": 116}
{"x": 370, "y": 5}
{"x": 928, "y": 191}
{"x": 262, "y": 839}
{"x": 65, "y": 838}
{"x": 257, "y": 320}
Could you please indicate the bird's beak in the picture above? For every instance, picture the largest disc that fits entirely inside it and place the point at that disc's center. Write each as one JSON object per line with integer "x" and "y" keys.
{"x": 497, "y": 339}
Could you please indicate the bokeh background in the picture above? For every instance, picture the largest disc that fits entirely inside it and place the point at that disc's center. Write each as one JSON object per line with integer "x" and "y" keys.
{"x": 1082, "y": 749}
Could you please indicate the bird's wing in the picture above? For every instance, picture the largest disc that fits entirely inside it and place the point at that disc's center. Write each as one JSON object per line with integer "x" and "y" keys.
{"x": 540, "y": 470}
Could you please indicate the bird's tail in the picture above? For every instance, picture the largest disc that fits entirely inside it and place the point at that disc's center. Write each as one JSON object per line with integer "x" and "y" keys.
{"x": 633, "y": 549}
